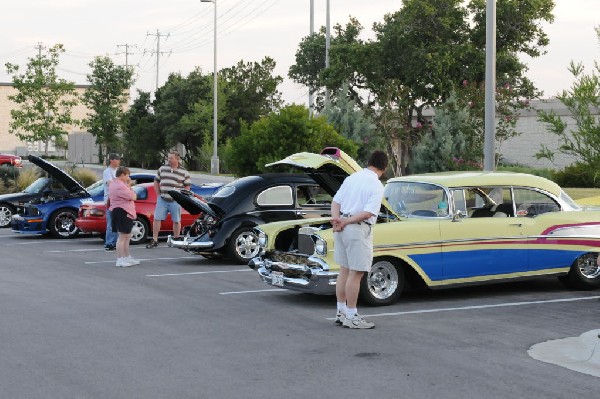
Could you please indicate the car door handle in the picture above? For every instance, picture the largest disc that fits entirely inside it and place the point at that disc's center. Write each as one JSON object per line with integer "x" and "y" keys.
{"x": 516, "y": 224}
{"x": 301, "y": 213}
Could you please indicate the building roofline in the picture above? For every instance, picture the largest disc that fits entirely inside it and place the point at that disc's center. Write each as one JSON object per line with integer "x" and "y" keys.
{"x": 77, "y": 86}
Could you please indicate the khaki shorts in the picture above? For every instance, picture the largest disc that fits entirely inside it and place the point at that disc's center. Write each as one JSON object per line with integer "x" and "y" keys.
{"x": 353, "y": 247}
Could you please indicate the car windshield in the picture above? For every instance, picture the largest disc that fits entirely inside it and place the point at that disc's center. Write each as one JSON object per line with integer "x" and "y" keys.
{"x": 224, "y": 191}
{"x": 417, "y": 199}
{"x": 565, "y": 197}
{"x": 96, "y": 188}
{"x": 37, "y": 186}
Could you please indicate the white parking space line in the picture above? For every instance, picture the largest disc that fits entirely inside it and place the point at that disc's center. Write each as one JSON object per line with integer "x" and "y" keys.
{"x": 77, "y": 250}
{"x": 141, "y": 259}
{"x": 253, "y": 291}
{"x": 206, "y": 272}
{"x": 498, "y": 305}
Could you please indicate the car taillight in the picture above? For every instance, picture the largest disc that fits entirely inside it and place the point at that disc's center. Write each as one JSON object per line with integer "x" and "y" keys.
{"x": 93, "y": 212}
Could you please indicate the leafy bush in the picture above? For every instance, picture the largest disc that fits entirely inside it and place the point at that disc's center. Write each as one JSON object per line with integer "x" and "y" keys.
{"x": 544, "y": 172}
{"x": 578, "y": 175}
{"x": 8, "y": 174}
{"x": 281, "y": 134}
{"x": 85, "y": 176}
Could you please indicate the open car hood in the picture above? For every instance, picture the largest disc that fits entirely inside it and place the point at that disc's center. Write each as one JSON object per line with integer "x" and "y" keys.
{"x": 328, "y": 169}
{"x": 70, "y": 184}
{"x": 191, "y": 203}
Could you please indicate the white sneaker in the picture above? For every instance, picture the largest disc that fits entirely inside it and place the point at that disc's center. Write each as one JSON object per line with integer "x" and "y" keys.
{"x": 132, "y": 260}
{"x": 357, "y": 321}
{"x": 123, "y": 262}
{"x": 339, "y": 318}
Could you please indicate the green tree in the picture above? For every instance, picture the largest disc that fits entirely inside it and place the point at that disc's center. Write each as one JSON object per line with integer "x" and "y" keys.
{"x": 583, "y": 102}
{"x": 184, "y": 109}
{"x": 427, "y": 48}
{"x": 106, "y": 98}
{"x": 45, "y": 101}
{"x": 444, "y": 146}
{"x": 280, "y": 134}
{"x": 353, "y": 123}
{"x": 143, "y": 144}
{"x": 251, "y": 92}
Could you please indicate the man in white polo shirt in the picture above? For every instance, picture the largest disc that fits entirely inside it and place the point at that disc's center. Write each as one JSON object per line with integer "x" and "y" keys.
{"x": 169, "y": 177}
{"x": 354, "y": 211}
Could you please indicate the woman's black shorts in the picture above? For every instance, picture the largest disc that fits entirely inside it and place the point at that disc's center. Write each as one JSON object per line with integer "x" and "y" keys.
{"x": 121, "y": 223}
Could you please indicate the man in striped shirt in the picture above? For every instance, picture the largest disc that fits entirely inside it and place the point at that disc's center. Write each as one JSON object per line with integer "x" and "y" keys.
{"x": 169, "y": 177}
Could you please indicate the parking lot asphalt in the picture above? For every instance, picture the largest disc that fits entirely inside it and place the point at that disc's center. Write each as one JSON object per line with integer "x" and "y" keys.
{"x": 181, "y": 326}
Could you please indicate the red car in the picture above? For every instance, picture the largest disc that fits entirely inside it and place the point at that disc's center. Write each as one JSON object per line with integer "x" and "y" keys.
{"x": 92, "y": 218}
{"x": 9, "y": 159}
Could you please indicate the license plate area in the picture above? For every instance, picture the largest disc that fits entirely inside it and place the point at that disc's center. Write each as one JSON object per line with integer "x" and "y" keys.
{"x": 277, "y": 279}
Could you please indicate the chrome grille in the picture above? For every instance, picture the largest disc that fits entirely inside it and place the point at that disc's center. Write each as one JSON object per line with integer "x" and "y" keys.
{"x": 306, "y": 244}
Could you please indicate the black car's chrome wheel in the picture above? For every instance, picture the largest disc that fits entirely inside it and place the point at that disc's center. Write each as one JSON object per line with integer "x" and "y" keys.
{"x": 6, "y": 212}
{"x": 243, "y": 245}
{"x": 62, "y": 224}
{"x": 383, "y": 284}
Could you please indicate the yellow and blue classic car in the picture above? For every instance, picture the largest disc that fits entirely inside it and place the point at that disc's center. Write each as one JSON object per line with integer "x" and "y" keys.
{"x": 440, "y": 230}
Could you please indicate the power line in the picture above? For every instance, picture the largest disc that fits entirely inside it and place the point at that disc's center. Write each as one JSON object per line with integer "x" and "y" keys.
{"x": 126, "y": 52}
{"x": 158, "y": 53}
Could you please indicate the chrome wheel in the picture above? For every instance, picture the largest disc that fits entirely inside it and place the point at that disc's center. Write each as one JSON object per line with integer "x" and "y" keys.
{"x": 5, "y": 215}
{"x": 62, "y": 224}
{"x": 584, "y": 273}
{"x": 383, "y": 285}
{"x": 243, "y": 245}
{"x": 382, "y": 281}
{"x": 588, "y": 266}
{"x": 139, "y": 232}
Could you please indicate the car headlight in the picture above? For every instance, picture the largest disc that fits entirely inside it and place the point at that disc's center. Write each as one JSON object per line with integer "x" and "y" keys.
{"x": 263, "y": 240}
{"x": 321, "y": 246}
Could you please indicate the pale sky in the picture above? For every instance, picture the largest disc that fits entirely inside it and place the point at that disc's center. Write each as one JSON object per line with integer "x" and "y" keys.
{"x": 247, "y": 29}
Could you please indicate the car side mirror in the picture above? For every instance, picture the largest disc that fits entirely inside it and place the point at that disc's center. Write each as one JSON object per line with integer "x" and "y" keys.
{"x": 458, "y": 216}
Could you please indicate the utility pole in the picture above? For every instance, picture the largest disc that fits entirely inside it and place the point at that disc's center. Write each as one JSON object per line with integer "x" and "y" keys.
{"x": 312, "y": 31}
{"x": 158, "y": 53}
{"x": 39, "y": 47}
{"x": 126, "y": 52}
{"x": 327, "y": 45}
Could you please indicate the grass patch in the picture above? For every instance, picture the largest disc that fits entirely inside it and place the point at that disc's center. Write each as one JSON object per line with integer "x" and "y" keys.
{"x": 577, "y": 193}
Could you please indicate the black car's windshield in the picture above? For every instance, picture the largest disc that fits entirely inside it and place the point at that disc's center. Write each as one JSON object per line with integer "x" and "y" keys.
{"x": 37, "y": 186}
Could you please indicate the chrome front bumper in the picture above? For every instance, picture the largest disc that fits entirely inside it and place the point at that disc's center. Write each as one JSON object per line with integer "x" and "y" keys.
{"x": 311, "y": 280}
{"x": 188, "y": 243}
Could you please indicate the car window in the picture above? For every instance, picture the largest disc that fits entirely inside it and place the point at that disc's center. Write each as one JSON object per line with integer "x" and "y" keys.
{"x": 312, "y": 196}
{"x": 273, "y": 196}
{"x": 495, "y": 201}
{"x": 96, "y": 188}
{"x": 224, "y": 191}
{"x": 417, "y": 199}
{"x": 141, "y": 192}
{"x": 37, "y": 186}
{"x": 531, "y": 202}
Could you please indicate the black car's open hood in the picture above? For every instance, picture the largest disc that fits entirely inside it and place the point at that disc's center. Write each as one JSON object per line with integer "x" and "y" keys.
{"x": 70, "y": 184}
{"x": 192, "y": 204}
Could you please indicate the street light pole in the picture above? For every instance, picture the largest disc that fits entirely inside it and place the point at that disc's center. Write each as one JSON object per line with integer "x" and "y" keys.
{"x": 489, "y": 151}
{"x": 214, "y": 161}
